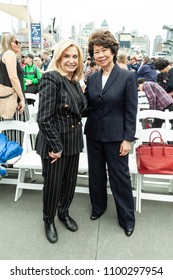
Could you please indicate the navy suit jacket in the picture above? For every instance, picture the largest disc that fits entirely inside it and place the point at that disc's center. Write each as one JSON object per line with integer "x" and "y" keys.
{"x": 113, "y": 109}
{"x": 59, "y": 116}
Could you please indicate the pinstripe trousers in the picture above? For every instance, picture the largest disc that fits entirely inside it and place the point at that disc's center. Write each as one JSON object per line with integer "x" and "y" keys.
{"x": 59, "y": 185}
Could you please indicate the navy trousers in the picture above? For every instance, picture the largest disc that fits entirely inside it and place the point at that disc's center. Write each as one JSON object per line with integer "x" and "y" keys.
{"x": 104, "y": 157}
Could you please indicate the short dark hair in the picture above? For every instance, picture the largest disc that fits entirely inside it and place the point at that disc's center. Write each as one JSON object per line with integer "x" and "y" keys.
{"x": 160, "y": 64}
{"x": 141, "y": 81}
{"x": 105, "y": 39}
{"x": 30, "y": 55}
{"x": 92, "y": 63}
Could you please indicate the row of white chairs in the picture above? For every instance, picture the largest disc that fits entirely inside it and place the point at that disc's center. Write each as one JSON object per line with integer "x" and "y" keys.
{"x": 31, "y": 161}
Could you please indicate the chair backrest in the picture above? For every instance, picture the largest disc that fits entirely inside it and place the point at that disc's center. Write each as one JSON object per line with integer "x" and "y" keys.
{"x": 31, "y": 96}
{"x": 33, "y": 109}
{"x": 144, "y": 134}
{"x": 169, "y": 117}
{"x": 142, "y": 101}
{"x": 152, "y": 114}
{"x": 14, "y": 130}
{"x": 145, "y": 114}
{"x": 31, "y": 131}
{"x": 141, "y": 94}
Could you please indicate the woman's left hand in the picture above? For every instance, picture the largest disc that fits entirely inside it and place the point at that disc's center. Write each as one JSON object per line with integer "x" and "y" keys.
{"x": 21, "y": 106}
{"x": 124, "y": 148}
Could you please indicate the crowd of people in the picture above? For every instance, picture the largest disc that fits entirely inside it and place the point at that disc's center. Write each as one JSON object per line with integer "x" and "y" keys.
{"x": 104, "y": 89}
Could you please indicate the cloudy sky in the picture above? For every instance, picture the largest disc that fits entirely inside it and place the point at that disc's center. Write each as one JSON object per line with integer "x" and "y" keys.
{"x": 148, "y": 17}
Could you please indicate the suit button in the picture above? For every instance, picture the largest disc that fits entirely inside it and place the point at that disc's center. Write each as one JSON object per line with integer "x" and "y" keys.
{"x": 66, "y": 105}
{"x": 72, "y": 126}
{"x": 68, "y": 116}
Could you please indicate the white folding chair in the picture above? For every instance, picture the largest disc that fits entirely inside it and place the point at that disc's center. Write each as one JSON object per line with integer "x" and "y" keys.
{"x": 142, "y": 101}
{"x": 15, "y": 131}
{"x": 153, "y": 186}
{"x": 33, "y": 109}
{"x": 30, "y": 160}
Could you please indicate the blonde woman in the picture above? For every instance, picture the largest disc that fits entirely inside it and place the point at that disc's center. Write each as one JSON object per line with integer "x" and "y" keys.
{"x": 60, "y": 140}
{"x": 122, "y": 61}
{"x": 11, "y": 73}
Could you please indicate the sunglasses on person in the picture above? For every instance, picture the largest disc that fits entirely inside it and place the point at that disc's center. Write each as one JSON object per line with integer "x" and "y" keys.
{"x": 17, "y": 42}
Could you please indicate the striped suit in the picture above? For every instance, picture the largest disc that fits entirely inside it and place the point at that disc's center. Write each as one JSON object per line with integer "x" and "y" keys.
{"x": 61, "y": 104}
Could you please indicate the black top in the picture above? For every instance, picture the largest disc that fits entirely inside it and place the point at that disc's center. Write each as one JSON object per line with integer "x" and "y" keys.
{"x": 4, "y": 78}
{"x": 76, "y": 94}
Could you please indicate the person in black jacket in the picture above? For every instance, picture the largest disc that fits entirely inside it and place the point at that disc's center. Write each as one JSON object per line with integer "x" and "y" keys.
{"x": 147, "y": 70}
{"x": 110, "y": 128}
{"x": 164, "y": 66}
{"x": 60, "y": 139}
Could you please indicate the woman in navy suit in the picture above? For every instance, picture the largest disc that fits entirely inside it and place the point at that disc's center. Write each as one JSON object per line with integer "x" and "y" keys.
{"x": 59, "y": 141}
{"x": 110, "y": 128}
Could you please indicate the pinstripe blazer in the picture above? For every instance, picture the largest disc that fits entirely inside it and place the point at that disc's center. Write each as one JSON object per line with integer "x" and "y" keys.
{"x": 59, "y": 116}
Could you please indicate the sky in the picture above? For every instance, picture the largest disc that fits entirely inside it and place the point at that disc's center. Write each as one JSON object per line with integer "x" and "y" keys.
{"x": 147, "y": 17}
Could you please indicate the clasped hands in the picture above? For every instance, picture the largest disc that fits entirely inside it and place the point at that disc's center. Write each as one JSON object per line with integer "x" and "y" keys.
{"x": 55, "y": 156}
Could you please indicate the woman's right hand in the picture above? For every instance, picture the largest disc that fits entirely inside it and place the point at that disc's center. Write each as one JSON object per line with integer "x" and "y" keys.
{"x": 55, "y": 156}
{"x": 21, "y": 106}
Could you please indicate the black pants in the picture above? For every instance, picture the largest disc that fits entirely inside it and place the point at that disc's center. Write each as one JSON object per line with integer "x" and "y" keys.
{"x": 59, "y": 185}
{"x": 101, "y": 154}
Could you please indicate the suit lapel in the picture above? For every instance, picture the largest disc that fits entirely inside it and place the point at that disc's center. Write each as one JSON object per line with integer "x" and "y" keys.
{"x": 113, "y": 75}
{"x": 70, "y": 91}
{"x": 99, "y": 81}
{"x": 83, "y": 98}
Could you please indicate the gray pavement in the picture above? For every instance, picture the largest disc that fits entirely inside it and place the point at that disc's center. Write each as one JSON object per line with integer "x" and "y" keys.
{"x": 23, "y": 238}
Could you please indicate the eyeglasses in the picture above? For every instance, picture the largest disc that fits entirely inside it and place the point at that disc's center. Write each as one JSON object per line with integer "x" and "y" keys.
{"x": 17, "y": 42}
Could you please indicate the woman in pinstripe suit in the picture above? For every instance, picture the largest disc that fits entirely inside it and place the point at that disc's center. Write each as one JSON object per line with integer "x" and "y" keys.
{"x": 60, "y": 139}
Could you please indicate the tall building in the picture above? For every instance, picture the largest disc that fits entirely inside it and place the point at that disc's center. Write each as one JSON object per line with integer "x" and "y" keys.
{"x": 168, "y": 43}
{"x": 157, "y": 45}
{"x": 141, "y": 45}
{"x": 82, "y": 37}
{"x": 104, "y": 25}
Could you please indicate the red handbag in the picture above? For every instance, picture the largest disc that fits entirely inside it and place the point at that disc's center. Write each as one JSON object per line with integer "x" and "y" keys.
{"x": 155, "y": 158}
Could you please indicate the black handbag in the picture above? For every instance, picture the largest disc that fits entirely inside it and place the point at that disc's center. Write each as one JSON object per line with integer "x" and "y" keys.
{"x": 33, "y": 88}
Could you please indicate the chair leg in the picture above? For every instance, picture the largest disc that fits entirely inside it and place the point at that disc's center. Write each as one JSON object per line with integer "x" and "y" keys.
{"x": 139, "y": 192}
{"x": 19, "y": 190}
{"x": 171, "y": 186}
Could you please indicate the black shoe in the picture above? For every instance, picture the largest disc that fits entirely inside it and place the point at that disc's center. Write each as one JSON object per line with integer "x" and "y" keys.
{"x": 69, "y": 223}
{"x": 51, "y": 232}
{"x": 129, "y": 231}
{"x": 94, "y": 217}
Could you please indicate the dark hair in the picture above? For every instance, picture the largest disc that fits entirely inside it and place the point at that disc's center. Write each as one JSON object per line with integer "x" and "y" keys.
{"x": 92, "y": 63}
{"x": 30, "y": 55}
{"x": 160, "y": 64}
{"x": 105, "y": 39}
{"x": 141, "y": 81}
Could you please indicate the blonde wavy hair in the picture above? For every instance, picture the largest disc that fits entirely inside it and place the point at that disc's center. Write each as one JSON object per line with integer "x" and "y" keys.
{"x": 6, "y": 40}
{"x": 57, "y": 56}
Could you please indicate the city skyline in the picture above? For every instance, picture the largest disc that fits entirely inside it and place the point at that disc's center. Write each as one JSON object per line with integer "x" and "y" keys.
{"x": 147, "y": 20}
